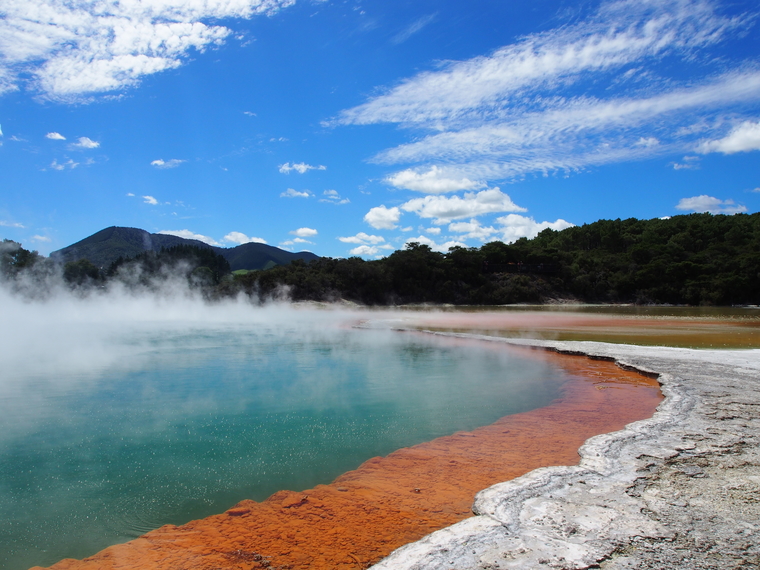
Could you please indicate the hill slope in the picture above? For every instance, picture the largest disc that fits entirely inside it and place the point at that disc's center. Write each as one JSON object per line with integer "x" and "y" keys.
{"x": 107, "y": 245}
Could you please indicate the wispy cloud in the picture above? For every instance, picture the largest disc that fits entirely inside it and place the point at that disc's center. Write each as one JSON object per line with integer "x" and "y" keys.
{"x": 300, "y": 167}
{"x": 41, "y": 239}
{"x": 187, "y": 234}
{"x": 55, "y": 165}
{"x": 705, "y": 203}
{"x": 7, "y": 224}
{"x": 150, "y": 200}
{"x": 413, "y": 28}
{"x": 71, "y": 49}
{"x": 568, "y": 98}
{"x": 163, "y": 164}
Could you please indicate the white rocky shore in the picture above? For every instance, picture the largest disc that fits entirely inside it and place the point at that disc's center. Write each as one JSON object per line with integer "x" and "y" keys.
{"x": 679, "y": 490}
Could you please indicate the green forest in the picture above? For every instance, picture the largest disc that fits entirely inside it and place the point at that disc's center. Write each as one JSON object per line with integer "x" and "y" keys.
{"x": 696, "y": 259}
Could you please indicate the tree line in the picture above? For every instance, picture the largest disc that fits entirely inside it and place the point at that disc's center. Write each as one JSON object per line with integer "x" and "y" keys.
{"x": 696, "y": 259}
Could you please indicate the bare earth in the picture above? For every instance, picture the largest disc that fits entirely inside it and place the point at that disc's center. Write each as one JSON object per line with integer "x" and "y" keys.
{"x": 679, "y": 490}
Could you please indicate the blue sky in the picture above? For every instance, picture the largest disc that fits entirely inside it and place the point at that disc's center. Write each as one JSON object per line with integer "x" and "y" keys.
{"x": 353, "y": 127}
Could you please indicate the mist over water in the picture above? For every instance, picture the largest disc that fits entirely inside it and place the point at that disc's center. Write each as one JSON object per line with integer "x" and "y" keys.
{"x": 120, "y": 413}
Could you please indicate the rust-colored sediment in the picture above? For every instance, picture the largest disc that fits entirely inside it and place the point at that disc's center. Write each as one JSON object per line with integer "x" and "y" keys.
{"x": 390, "y": 501}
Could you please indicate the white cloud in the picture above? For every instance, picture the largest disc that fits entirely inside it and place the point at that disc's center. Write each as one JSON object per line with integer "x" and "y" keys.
{"x": 705, "y": 203}
{"x": 73, "y": 49}
{"x": 689, "y": 163}
{"x": 304, "y": 232}
{"x": 161, "y": 163}
{"x": 43, "y": 239}
{"x": 472, "y": 230}
{"x": 370, "y": 249}
{"x": 7, "y": 224}
{"x": 382, "y": 218}
{"x": 441, "y": 247}
{"x": 291, "y": 193}
{"x": 300, "y": 167}
{"x": 514, "y": 227}
{"x": 569, "y": 97}
{"x": 332, "y": 197}
{"x": 755, "y": 189}
{"x": 55, "y": 136}
{"x": 150, "y": 200}
{"x": 431, "y": 181}
{"x": 55, "y": 165}
{"x": 413, "y": 28}
{"x": 444, "y": 209}
{"x": 241, "y": 238}
{"x": 130, "y": 194}
{"x": 85, "y": 143}
{"x": 434, "y": 231}
{"x": 743, "y": 138}
{"x": 249, "y": 113}
{"x": 187, "y": 234}
{"x": 362, "y": 238}
{"x": 647, "y": 142}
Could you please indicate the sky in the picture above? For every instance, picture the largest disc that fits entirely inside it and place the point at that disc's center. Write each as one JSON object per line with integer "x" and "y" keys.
{"x": 353, "y": 127}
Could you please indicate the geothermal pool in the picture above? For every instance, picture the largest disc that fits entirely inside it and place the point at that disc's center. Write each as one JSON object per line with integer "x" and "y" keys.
{"x": 132, "y": 426}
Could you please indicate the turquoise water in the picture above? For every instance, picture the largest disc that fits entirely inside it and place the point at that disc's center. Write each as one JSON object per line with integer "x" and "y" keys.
{"x": 177, "y": 423}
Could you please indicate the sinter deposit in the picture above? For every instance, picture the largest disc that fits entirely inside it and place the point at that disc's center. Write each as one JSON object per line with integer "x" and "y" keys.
{"x": 679, "y": 490}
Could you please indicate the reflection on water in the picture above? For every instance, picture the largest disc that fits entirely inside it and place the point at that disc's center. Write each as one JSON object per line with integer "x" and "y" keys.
{"x": 186, "y": 422}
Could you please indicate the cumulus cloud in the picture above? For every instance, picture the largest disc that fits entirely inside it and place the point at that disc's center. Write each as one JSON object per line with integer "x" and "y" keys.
{"x": 472, "y": 230}
{"x": 383, "y": 218}
{"x": 241, "y": 238}
{"x": 564, "y": 99}
{"x": 332, "y": 197}
{"x": 300, "y": 167}
{"x": 513, "y": 227}
{"x": 150, "y": 200}
{"x": 85, "y": 143}
{"x": 705, "y": 203}
{"x": 74, "y": 49}
{"x": 370, "y": 250}
{"x": 435, "y": 246}
{"x": 187, "y": 234}
{"x": 161, "y": 163}
{"x": 55, "y": 136}
{"x": 304, "y": 232}
{"x": 743, "y": 138}
{"x": 362, "y": 238}
{"x": 443, "y": 209}
{"x": 291, "y": 193}
{"x": 431, "y": 181}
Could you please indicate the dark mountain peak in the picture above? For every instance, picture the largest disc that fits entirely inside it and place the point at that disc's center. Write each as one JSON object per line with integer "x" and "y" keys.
{"x": 106, "y": 246}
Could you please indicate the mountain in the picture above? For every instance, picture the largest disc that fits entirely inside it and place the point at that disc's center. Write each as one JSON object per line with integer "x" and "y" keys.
{"x": 106, "y": 246}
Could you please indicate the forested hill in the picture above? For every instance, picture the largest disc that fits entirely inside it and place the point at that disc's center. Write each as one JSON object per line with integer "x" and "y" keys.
{"x": 692, "y": 259}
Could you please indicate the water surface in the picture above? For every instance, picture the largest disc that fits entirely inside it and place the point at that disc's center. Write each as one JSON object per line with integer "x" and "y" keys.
{"x": 181, "y": 420}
